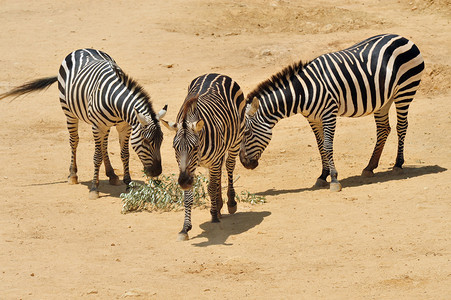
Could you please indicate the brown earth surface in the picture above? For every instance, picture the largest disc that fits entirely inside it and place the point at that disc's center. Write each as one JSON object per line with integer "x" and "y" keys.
{"x": 386, "y": 237}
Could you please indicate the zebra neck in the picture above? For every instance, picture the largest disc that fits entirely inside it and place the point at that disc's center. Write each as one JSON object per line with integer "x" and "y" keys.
{"x": 131, "y": 104}
{"x": 276, "y": 105}
{"x": 288, "y": 96}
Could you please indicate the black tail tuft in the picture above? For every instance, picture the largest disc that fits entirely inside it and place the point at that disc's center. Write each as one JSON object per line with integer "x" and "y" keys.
{"x": 35, "y": 85}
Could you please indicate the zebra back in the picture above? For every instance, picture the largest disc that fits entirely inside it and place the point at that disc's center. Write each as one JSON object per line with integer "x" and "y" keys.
{"x": 353, "y": 82}
{"x": 96, "y": 90}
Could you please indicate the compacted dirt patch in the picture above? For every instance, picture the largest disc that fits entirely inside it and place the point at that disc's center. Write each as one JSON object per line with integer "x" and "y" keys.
{"x": 385, "y": 237}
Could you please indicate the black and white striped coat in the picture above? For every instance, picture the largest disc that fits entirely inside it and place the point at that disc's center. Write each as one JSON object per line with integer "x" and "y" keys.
{"x": 94, "y": 89}
{"x": 363, "y": 79}
{"x": 209, "y": 129}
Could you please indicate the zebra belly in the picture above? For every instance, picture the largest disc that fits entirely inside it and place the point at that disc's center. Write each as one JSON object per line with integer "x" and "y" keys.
{"x": 353, "y": 112}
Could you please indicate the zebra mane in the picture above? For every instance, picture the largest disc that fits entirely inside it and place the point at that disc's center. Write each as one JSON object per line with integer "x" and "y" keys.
{"x": 190, "y": 101}
{"x": 266, "y": 85}
{"x": 135, "y": 87}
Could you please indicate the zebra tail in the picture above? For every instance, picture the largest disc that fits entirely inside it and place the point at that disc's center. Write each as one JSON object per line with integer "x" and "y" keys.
{"x": 31, "y": 86}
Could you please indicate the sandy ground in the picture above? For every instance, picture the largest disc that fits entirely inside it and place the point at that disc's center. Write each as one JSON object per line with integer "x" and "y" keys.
{"x": 386, "y": 237}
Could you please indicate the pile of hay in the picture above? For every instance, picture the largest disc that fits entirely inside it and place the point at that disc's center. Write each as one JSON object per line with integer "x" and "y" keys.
{"x": 164, "y": 194}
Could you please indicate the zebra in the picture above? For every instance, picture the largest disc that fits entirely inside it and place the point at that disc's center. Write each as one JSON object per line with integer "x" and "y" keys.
{"x": 94, "y": 89}
{"x": 361, "y": 80}
{"x": 208, "y": 131}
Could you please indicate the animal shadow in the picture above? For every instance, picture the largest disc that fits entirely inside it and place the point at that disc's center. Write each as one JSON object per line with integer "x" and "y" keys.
{"x": 357, "y": 180}
{"x": 218, "y": 233}
{"x": 108, "y": 190}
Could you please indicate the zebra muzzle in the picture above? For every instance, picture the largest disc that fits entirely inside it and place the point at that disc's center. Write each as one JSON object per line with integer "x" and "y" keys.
{"x": 185, "y": 180}
{"x": 153, "y": 170}
{"x": 248, "y": 163}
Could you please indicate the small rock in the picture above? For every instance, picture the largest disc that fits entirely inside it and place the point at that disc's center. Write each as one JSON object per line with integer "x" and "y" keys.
{"x": 93, "y": 292}
{"x": 266, "y": 52}
{"x": 328, "y": 27}
{"x": 131, "y": 294}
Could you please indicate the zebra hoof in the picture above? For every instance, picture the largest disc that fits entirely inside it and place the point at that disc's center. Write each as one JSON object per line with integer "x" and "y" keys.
{"x": 398, "y": 170}
{"x": 93, "y": 195}
{"x": 367, "y": 173}
{"x": 232, "y": 209}
{"x": 335, "y": 187}
{"x": 182, "y": 236}
{"x": 72, "y": 180}
{"x": 320, "y": 183}
{"x": 115, "y": 181}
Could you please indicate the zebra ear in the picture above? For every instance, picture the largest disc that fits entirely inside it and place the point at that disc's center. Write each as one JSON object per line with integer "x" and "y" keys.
{"x": 253, "y": 107}
{"x": 141, "y": 118}
{"x": 197, "y": 126}
{"x": 162, "y": 112}
{"x": 169, "y": 125}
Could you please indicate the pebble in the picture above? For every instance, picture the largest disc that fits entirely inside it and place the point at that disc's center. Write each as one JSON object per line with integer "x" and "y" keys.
{"x": 266, "y": 52}
{"x": 93, "y": 292}
{"x": 131, "y": 294}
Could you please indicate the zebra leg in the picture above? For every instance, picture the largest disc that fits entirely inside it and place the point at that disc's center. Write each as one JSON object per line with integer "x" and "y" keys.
{"x": 219, "y": 201}
{"x": 329, "y": 131}
{"x": 72, "y": 127}
{"x": 188, "y": 200}
{"x": 230, "y": 166}
{"x": 98, "y": 157}
{"x": 318, "y": 131}
{"x": 113, "y": 178}
{"x": 214, "y": 190}
{"x": 402, "y": 109}
{"x": 383, "y": 130}
{"x": 124, "y": 131}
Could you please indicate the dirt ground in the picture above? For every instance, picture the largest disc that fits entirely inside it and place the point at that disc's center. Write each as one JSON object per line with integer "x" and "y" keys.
{"x": 386, "y": 237}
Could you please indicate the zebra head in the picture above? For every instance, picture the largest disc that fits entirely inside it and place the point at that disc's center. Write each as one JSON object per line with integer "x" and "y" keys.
{"x": 186, "y": 144}
{"x": 146, "y": 141}
{"x": 257, "y": 135}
